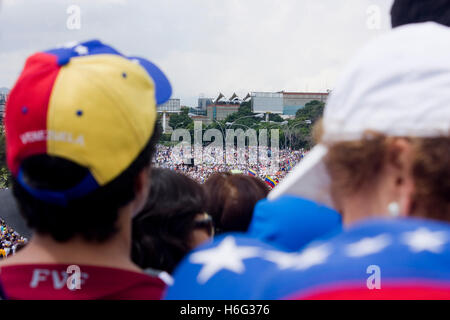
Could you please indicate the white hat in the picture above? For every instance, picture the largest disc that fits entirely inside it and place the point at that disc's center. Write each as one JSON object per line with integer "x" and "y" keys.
{"x": 398, "y": 85}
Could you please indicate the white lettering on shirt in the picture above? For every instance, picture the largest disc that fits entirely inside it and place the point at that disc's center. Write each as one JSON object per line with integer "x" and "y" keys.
{"x": 38, "y": 276}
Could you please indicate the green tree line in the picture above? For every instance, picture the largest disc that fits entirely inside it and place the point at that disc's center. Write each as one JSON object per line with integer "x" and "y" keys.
{"x": 294, "y": 133}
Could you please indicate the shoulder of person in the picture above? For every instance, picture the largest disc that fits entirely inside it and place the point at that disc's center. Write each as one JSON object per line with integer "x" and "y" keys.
{"x": 160, "y": 274}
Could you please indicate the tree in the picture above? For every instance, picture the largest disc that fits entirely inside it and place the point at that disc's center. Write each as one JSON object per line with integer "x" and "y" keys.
{"x": 244, "y": 111}
{"x": 300, "y": 135}
{"x": 4, "y": 178}
{"x": 275, "y": 117}
{"x": 296, "y": 134}
{"x": 313, "y": 110}
{"x": 181, "y": 120}
{"x": 244, "y": 117}
{"x": 300, "y": 132}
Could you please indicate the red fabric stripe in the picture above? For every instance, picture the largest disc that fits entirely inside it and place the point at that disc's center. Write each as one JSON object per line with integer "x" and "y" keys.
{"x": 31, "y": 91}
{"x": 416, "y": 291}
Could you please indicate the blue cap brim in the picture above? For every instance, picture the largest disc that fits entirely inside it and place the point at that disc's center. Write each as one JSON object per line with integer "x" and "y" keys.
{"x": 64, "y": 54}
{"x": 162, "y": 84}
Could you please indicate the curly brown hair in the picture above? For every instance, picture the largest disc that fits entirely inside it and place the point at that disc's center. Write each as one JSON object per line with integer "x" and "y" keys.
{"x": 355, "y": 165}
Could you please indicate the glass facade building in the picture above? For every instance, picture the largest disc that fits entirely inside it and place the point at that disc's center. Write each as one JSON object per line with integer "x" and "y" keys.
{"x": 286, "y": 103}
{"x": 171, "y": 106}
{"x": 265, "y": 102}
{"x": 221, "y": 111}
{"x": 203, "y": 103}
{"x": 299, "y": 99}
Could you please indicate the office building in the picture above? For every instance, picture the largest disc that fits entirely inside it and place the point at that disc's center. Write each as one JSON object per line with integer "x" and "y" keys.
{"x": 219, "y": 111}
{"x": 171, "y": 106}
{"x": 203, "y": 103}
{"x": 284, "y": 103}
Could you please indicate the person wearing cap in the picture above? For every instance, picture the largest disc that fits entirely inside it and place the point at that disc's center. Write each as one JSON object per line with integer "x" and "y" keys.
{"x": 383, "y": 162}
{"x": 80, "y": 133}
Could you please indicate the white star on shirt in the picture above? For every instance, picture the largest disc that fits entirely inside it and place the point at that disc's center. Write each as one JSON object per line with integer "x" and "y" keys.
{"x": 425, "y": 240}
{"x": 227, "y": 255}
{"x": 282, "y": 259}
{"x": 312, "y": 256}
{"x": 81, "y": 50}
{"x": 368, "y": 246}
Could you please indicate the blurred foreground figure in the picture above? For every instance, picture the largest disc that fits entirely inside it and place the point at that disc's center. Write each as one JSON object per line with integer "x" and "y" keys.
{"x": 80, "y": 134}
{"x": 383, "y": 162}
{"x": 235, "y": 265}
{"x": 384, "y": 154}
{"x": 172, "y": 222}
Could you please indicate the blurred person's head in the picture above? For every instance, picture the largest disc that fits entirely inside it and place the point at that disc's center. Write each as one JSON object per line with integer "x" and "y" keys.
{"x": 416, "y": 11}
{"x": 231, "y": 199}
{"x": 93, "y": 217}
{"x": 80, "y": 133}
{"x": 172, "y": 222}
{"x": 382, "y": 175}
{"x": 385, "y": 135}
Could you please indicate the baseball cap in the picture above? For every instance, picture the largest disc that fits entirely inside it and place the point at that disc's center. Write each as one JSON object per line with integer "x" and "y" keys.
{"x": 87, "y": 103}
{"x": 398, "y": 85}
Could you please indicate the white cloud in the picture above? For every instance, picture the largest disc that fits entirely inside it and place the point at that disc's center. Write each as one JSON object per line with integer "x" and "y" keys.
{"x": 7, "y": 3}
{"x": 204, "y": 46}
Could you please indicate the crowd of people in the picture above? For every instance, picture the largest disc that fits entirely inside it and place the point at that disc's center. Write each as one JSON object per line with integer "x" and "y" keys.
{"x": 202, "y": 173}
{"x": 371, "y": 195}
{"x": 215, "y": 160}
{"x": 10, "y": 241}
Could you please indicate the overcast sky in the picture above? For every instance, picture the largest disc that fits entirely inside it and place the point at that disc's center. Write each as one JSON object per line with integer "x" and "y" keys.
{"x": 205, "y": 46}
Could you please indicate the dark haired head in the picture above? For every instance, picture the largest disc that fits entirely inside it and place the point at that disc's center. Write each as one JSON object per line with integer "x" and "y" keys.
{"x": 92, "y": 217}
{"x": 416, "y": 11}
{"x": 162, "y": 230}
{"x": 231, "y": 199}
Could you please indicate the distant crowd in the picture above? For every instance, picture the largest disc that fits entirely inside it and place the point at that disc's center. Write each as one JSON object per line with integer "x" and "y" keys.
{"x": 287, "y": 159}
{"x": 10, "y": 240}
